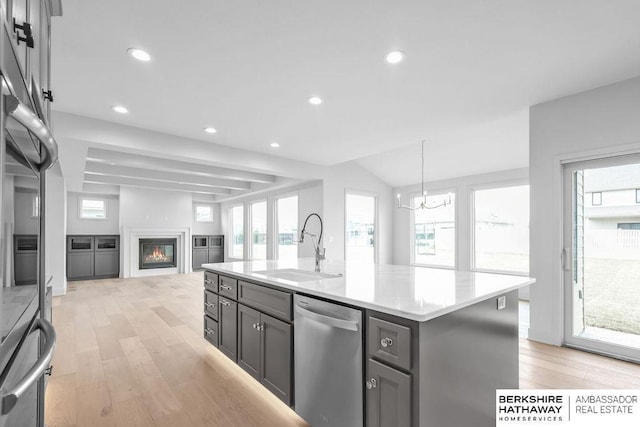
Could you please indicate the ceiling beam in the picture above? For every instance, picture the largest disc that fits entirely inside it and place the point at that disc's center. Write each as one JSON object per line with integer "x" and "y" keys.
{"x": 160, "y": 175}
{"x": 137, "y": 182}
{"x": 97, "y": 155}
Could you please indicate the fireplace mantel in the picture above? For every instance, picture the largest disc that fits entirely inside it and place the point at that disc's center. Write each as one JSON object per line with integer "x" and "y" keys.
{"x": 131, "y": 237}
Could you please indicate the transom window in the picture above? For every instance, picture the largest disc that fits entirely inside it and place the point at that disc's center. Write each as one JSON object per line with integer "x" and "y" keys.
{"x": 204, "y": 213}
{"x": 92, "y": 208}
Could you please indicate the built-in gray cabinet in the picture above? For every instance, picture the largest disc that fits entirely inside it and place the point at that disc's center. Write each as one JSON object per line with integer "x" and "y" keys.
{"x": 265, "y": 350}
{"x": 228, "y": 327}
{"x": 254, "y": 329}
{"x": 388, "y": 396}
{"x": 25, "y": 259}
{"x": 93, "y": 257}
{"x": 207, "y": 249}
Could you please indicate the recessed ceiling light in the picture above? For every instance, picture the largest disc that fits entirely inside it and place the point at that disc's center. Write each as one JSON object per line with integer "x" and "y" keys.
{"x": 139, "y": 54}
{"x": 210, "y": 130}
{"x": 120, "y": 109}
{"x": 394, "y": 57}
{"x": 315, "y": 100}
{"x": 275, "y": 145}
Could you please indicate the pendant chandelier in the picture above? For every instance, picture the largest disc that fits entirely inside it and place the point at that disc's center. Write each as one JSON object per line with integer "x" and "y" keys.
{"x": 423, "y": 204}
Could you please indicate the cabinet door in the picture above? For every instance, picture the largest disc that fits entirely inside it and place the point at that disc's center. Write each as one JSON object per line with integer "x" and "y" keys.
{"x": 107, "y": 264}
{"x": 19, "y": 13}
{"x": 79, "y": 265}
{"x": 228, "y": 327}
{"x": 216, "y": 255}
{"x": 388, "y": 396}
{"x": 26, "y": 269}
{"x": 45, "y": 56}
{"x": 199, "y": 258}
{"x": 249, "y": 340}
{"x": 277, "y": 364}
{"x": 34, "y": 70}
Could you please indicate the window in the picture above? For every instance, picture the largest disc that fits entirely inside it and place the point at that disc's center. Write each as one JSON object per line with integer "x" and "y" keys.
{"x": 596, "y": 199}
{"x": 92, "y": 208}
{"x": 287, "y": 215}
{"x": 501, "y": 233}
{"x": 434, "y": 232}
{"x": 628, "y": 226}
{"x": 259, "y": 230}
{"x": 360, "y": 226}
{"x": 204, "y": 213}
{"x": 637, "y": 195}
{"x": 35, "y": 206}
{"x": 236, "y": 230}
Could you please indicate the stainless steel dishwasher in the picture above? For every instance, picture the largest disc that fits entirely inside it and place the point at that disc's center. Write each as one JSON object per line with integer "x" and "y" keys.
{"x": 328, "y": 363}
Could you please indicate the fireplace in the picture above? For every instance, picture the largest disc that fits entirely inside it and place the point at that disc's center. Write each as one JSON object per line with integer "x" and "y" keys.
{"x": 157, "y": 253}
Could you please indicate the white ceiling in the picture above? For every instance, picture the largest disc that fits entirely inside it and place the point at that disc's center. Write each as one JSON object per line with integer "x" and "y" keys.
{"x": 248, "y": 67}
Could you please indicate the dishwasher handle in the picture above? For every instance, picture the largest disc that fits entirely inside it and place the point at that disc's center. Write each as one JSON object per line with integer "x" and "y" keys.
{"x": 326, "y": 319}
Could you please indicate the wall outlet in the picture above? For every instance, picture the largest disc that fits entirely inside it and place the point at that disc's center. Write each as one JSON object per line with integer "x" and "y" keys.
{"x": 502, "y": 302}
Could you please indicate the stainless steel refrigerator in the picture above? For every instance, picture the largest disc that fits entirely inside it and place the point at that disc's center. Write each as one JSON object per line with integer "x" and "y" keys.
{"x": 27, "y": 150}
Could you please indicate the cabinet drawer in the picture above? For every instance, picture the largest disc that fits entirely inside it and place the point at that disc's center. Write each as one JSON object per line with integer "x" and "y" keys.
{"x": 211, "y": 281}
{"x": 211, "y": 304}
{"x": 211, "y": 330}
{"x": 228, "y": 287}
{"x": 267, "y": 300}
{"x": 390, "y": 342}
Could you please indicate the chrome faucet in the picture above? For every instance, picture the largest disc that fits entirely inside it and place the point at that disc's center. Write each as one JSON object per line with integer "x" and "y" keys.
{"x": 320, "y": 255}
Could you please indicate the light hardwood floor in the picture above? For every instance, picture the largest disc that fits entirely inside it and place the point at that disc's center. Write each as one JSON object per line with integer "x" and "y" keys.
{"x": 131, "y": 353}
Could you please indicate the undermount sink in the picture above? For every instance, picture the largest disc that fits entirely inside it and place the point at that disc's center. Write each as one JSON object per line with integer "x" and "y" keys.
{"x": 296, "y": 275}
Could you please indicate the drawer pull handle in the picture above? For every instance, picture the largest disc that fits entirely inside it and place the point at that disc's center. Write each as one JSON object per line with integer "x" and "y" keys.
{"x": 386, "y": 342}
{"x": 207, "y": 281}
{"x": 209, "y": 331}
{"x": 372, "y": 383}
{"x": 225, "y": 287}
{"x": 258, "y": 326}
{"x": 209, "y": 304}
{"x": 223, "y": 302}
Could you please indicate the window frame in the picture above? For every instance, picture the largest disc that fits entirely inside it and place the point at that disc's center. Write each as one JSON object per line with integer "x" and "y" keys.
{"x": 195, "y": 212}
{"x": 230, "y": 245}
{"x": 105, "y": 200}
{"x": 412, "y": 226}
{"x": 276, "y": 230}
{"x": 472, "y": 216}
{"x": 35, "y": 205}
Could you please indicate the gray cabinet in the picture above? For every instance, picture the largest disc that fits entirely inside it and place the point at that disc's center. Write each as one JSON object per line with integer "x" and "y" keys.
{"x": 93, "y": 257}
{"x": 388, "y": 396}
{"x": 265, "y": 350}
{"x": 249, "y": 340}
{"x": 25, "y": 259}
{"x": 228, "y": 327}
{"x": 207, "y": 249}
{"x": 258, "y": 342}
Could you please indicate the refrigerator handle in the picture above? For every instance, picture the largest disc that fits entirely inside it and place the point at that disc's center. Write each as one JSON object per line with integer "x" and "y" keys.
{"x": 10, "y": 397}
{"x": 27, "y": 118}
{"x": 327, "y": 320}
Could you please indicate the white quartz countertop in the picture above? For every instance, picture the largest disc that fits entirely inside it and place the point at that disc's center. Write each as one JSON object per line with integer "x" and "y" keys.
{"x": 416, "y": 293}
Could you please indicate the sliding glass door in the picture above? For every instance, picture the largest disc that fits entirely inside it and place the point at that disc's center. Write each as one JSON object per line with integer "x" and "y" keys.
{"x": 601, "y": 255}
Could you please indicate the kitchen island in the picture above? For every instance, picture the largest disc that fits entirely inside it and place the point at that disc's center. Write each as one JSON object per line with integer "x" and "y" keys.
{"x": 437, "y": 343}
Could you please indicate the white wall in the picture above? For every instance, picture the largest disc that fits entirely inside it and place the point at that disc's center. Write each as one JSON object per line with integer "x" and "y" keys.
{"x": 463, "y": 188}
{"x": 309, "y": 200}
{"x": 600, "y": 122}
{"x": 77, "y": 225}
{"x": 24, "y": 222}
{"x": 206, "y": 227}
{"x": 147, "y": 208}
{"x": 350, "y": 176}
